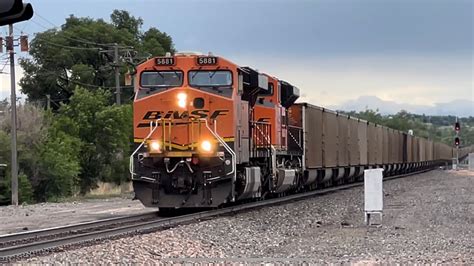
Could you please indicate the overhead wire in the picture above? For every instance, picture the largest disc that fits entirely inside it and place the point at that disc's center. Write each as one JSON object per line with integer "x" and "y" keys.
{"x": 6, "y": 61}
{"x": 49, "y": 72}
{"x": 66, "y": 46}
{"x": 78, "y": 39}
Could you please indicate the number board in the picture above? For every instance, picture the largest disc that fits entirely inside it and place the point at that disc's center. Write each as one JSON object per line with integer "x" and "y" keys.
{"x": 207, "y": 60}
{"x": 164, "y": 61}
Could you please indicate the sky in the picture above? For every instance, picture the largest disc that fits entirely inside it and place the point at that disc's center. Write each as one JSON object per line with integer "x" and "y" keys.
{"x": 408, "y": 51}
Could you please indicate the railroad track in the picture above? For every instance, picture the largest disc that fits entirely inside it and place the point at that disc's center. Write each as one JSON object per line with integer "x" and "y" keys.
{"x": 51, "y": 238}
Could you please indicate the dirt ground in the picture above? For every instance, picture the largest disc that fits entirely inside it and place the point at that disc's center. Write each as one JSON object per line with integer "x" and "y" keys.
{"x": 45, "y": 215}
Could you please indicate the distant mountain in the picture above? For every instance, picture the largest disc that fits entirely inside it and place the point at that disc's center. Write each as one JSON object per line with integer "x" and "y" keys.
{"x": 461, "y": 108}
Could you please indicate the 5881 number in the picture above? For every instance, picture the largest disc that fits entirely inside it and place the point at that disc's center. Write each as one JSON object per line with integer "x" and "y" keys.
{"x": 164, "y": 61}
{"x": 208, "y": 60}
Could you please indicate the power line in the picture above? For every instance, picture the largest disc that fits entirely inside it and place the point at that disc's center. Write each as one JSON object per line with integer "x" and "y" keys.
{"x": 65, "y": 32}
{"x": 63, "y": 46}
{"x": 77, "y": 39}
{"x": 70, "y": 47}
{"x": 49, "y": 72}
{"x": 4, "y": 66}
{"x": 40, "y": 37}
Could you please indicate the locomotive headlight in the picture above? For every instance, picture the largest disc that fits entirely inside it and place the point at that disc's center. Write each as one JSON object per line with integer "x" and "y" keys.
{"x": 154, "y": 146}
{"x": 182, "y": 97}
{"x": 206, "y": 146}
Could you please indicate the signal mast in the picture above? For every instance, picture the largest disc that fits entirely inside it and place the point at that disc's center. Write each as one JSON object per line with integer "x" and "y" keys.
{"x": 457, "y": 141}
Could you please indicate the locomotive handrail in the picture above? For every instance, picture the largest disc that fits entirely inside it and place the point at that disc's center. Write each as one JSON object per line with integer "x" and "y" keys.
{"x": 298, "y": 142}
{"x": 221, "y": 141}
{"x": 273, "y": 153}
{"x": 131, "y": 163}
{"x": 256, "y": 123}
{"x": 229, "y": 150}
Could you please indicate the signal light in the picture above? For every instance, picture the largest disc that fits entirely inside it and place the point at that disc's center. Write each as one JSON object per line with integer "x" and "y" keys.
{"x": 24, "y": 43}
{"x": 457, "y": 127}
{"x": 13, "y": 11}
{"x": 9, "y": 43}
{"x": 457, "y": 142}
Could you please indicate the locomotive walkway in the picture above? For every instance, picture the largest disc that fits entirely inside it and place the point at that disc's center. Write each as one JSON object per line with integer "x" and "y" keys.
{"x": 428, "y": 218}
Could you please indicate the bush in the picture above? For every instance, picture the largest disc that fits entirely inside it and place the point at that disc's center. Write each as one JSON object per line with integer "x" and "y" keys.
{"x": 25, "y": 190}
{"x": 58, "y": 166}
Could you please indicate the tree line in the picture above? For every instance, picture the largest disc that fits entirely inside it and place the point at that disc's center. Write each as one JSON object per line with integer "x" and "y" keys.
{"x": 437, "y": 128}
{"x": 71, "y": 135}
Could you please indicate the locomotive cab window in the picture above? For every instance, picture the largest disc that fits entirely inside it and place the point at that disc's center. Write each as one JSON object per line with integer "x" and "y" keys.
{"x": 268, "y": 92}
{"x": 213, "y": 81}
{"x": 162, "y": 79}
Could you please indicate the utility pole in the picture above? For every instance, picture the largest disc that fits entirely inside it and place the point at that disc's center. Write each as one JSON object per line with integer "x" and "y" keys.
{"x": 13, "y": 106}
{"x": 48, "y": 104}
{"x": 117, "y": 73}
{"x": 115, "y": 51}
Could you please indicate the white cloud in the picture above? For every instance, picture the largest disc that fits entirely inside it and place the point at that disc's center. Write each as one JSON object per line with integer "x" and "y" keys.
{"x": 332, "y": 81}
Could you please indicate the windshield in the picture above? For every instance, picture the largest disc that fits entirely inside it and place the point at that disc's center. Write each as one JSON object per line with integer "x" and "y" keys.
{"x": 161, "y": 79}
{"x": 214, "y": 78}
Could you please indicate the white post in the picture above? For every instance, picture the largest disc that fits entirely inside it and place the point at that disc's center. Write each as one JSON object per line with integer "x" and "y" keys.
{"x": 471, "y": 161}
{"x": 373, "y": 193}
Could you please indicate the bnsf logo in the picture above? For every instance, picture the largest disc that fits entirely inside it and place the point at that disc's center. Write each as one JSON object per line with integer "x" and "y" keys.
{"x": 200, "y": 113}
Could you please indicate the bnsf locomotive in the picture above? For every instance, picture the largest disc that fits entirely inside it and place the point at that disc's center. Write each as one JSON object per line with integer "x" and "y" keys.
{"x": 209, "y": 132}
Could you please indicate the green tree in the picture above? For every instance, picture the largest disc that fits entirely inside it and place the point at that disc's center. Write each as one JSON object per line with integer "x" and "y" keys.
{"x": 438, "y": 128}
{"x": 63, "y": 58}
{"x": 59, "y": 164}
{"x": 122, "y": 20}
{"x": 115, "y": 131}
{"x": 104, "y": 132}
{"x": 156, "y": 42}
{"x": 25, "y": 190}
{"x": 32, "y": 127}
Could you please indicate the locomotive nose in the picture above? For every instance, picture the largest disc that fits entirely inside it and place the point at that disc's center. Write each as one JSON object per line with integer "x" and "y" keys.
{"x": 187, "y": 99}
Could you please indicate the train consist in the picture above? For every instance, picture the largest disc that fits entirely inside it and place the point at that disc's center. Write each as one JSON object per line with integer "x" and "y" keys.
{"x": 209, "y": 132}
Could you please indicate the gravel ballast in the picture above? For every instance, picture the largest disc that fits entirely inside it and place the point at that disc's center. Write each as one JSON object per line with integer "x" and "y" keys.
{"x": 428, "y": 218}
{"x": 47, "y": 215}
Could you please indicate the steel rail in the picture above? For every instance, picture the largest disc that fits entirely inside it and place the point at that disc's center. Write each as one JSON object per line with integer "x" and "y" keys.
{"x": 22, "y": 236}
{"x": 150, "y": 226}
